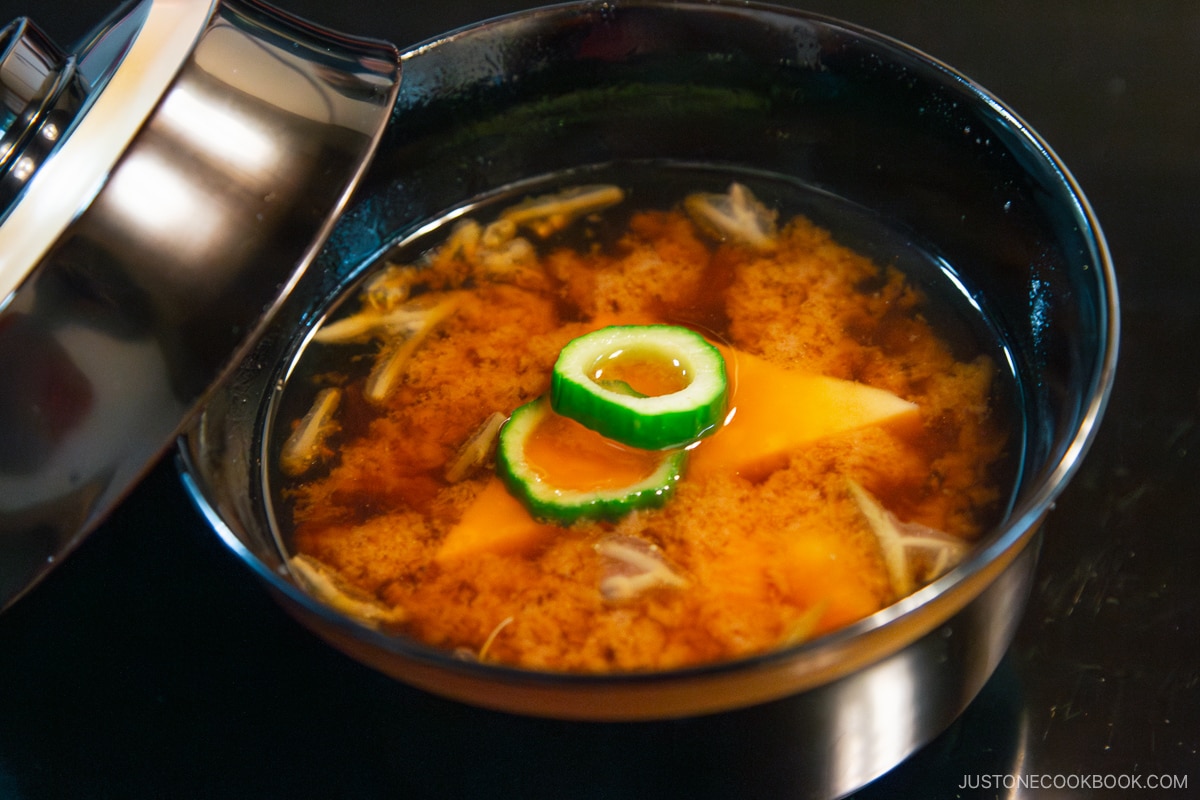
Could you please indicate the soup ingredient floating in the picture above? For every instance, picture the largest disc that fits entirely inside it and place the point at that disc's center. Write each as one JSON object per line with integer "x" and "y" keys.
{"x": 306, "y": 445}
{"x": 548, "y": 214}
{"x": 655, "y": 387}
{"x": 736, "y": 215}
{"x": 659, "y": 438}
{"x": 563, "y": 472}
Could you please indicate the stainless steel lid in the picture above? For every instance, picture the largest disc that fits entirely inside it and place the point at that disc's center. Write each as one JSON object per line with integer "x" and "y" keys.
{"x": 161, "y": 189}
{"x": 41, "y": 92}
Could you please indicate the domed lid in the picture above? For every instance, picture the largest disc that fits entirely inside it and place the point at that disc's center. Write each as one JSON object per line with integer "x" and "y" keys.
{"x": 67, "y": 118}
{"x": 161, "y": 190}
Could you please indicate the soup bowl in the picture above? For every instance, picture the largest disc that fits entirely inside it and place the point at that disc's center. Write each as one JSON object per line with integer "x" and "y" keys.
{"x": 748, "y": 89}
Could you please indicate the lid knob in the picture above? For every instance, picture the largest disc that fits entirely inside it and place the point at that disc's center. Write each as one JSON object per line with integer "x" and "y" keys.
{"x": 40, "y": 93}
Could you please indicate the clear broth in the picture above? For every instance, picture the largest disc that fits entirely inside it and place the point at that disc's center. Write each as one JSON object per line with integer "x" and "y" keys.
{"x": 959, "y": 318}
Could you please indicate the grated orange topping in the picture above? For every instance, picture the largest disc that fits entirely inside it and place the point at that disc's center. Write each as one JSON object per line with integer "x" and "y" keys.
{"x": 767, "y": 551}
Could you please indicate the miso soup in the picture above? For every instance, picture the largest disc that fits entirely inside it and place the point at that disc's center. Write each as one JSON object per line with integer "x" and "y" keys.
{"x": 428, "y": 478}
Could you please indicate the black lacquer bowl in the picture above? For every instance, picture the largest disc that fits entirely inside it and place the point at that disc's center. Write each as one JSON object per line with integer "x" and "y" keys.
{"x": 755, "y": 90}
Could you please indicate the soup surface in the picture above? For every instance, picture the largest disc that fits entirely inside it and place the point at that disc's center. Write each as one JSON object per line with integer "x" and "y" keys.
{"x": 859, "y": 454}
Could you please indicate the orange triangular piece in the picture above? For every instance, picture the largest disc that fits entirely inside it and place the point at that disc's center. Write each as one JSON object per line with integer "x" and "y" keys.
{"x": 773, "y": 410}
{"x": 495, "y": 522}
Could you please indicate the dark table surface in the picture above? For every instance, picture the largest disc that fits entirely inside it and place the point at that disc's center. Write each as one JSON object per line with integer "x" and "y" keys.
{"x": 151, "y": 663}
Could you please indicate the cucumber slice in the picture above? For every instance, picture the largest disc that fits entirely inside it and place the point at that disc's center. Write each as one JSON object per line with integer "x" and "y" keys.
{"x": 549, "y": 503}
{"x": 656, "y": 387}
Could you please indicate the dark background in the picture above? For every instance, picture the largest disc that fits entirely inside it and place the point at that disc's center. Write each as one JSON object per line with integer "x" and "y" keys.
{"x": 151, "y": 664}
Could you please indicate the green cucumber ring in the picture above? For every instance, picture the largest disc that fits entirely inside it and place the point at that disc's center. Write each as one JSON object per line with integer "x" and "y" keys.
{"x": 565, "y": 506}
{"x": 611, "y": 409}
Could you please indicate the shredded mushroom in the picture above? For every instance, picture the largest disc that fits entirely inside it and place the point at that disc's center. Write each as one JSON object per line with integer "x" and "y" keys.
{"x": 737, "y": 215}
{"x": 390, "y": 287}
{"x": 325, "y": 584}
{"x": 548, "y": 214}
{"x": 467, "y": 654}
{"x": 475, "y": 451}
{"x": 305, "y": 447}
{"x": 487, "y": 645}
{"x": 501, "y": 251}
{"x": 371, "y": 323}
{"x": 394, "y": 358}
{"x": 907, "y": 545}
{"x": 637, "y": 566}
